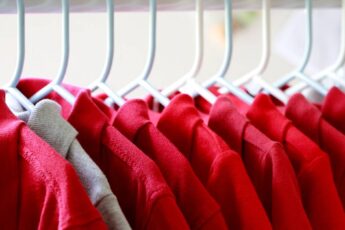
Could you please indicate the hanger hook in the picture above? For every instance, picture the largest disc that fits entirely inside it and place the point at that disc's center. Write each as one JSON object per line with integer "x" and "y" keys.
{"x": 152, "y": 41}
{"x": 299, "y": 73}
{"x": 11, "y": 87}
{"x": 341, "y": 57}
{"x": 332, "y": 70}
{"x": 309, "y": 36}
{"x": 229, "y": 40}
{"x": 266, "y": 45}
{"x": 219, "y": 77}
{"x": 110, "y": 55}
{"x": 199, "y": 51}
{"x": 110, "y": 47}
{"x": 65, "y": 43}
{"x": 110, "y": 41}
{"x": 55, "y": 84}
{"x": 143, "y": 77}
{"x": 256, "y": 74}
{"x": 101, "y": 82}
{"x": 202, "y": 90}
{"x": 21, "y": 43}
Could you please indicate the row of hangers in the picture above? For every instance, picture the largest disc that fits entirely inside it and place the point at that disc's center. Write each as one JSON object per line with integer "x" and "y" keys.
{"x": 187, "y": 83}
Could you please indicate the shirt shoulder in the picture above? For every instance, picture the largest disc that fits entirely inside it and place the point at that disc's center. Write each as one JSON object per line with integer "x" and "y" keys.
{"x": 197, "y": 205}
{"x": 54, "y": 187}
{"x": 143, "y": 179}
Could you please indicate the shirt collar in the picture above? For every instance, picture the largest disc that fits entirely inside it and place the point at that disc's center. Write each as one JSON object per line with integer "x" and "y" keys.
{"x": 46, "y": 121}
{"x": 224, "y": 117}
{"x": 304, "y": 115}
{"x": 265, "y": 116}
{"x": 84, "y": 116}
{"x": 29, "y": 86}
{"x": 7, "y": 116}
{"x": 9, "y": 126}
{"x": 131, "y": 117}
{"x": 204, "y": 106}
{"x": 178, "y": 120}
{"x": 90, "y": 122}
{"x": 333, "y": 108}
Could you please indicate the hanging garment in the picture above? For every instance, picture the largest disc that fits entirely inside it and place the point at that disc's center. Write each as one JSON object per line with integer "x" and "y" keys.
{"x": 45, "y": 120}
{"x": 199, "y": 208}
{"x": 307, "y": 118}
{"x": 219, "y": 168}
{"x": 333, "y": 109}
{"x": 144, "y": 196}
{"x": 267, "y": 165}
{"x": 311, "y": 164}
{"x": 40, "y": 189}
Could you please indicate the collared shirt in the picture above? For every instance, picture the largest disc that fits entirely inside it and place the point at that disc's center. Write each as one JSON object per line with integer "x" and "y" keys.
{"x": 267, "y": 165}
{"x": 39, "y": 189}
{"x": 45, "y": 120}
{"x": 199, "y": 208}
{"x": 308, "y": 119}
{"x": 312, "y": 166}
{"x": 144, "y": 196}
{"x": 219, "y": 168}
{"x": 333, "y": 109}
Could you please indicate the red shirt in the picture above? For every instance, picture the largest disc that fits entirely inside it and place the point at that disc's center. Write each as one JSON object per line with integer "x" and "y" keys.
{"x": 333, "y": 109}
{"x": 267, "y": 165}
{"x": 144, "y": 197}
{"x": 311, "y": 164}
{"x": 219, "y": 168}
{"x": 199, "y": 208}
{"x": 38, "y": 188}
{"x": 308, "y": 119}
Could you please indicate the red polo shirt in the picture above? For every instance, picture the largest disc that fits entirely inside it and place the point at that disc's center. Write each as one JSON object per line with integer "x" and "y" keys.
{"x": 307, "y": 118}
{"x": 199, "y": 208}
{"x": 219, "y": 168}
{"x": 267, "y": 165}
{"x": 144, "y": 197}
{"x": 333, "y": 109}
{"x": 39, "y": 189}
{"x": 311, "y": 164}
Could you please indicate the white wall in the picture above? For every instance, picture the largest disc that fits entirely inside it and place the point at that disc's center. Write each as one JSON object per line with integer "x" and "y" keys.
{"x": 175, "y": 48}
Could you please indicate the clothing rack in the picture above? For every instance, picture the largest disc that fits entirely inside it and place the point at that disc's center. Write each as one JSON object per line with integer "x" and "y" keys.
{"x": 48, "y": 6}
{"x": 191, "y": 155}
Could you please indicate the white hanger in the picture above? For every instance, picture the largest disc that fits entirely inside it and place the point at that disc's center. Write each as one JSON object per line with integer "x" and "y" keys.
{"x": 332, "y": 71}
{"x": 191, "y": 86}
{"x": 199, "y": 51}
{"x": 299, "y": 73}
{"x": 101, "y": 82}
{"x": 55, "y": 84}
{"x": 11, "y": 87}
{"x": 189, "y": 79}
{"x": 220, "y": 76}
{"x": 142, "y": 79}
{"x": 257, "y": 73}
{"x": 188, "y": 82}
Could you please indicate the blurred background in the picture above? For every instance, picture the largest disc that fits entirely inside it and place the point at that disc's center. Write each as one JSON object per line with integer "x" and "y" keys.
{"x": 175, "y": 47}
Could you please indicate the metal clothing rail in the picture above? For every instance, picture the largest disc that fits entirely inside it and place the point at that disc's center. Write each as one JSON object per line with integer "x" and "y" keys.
{"x": 48, "y": 6}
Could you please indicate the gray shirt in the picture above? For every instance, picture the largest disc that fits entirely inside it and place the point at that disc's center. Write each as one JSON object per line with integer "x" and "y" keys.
{"x": 45, "y": 120}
